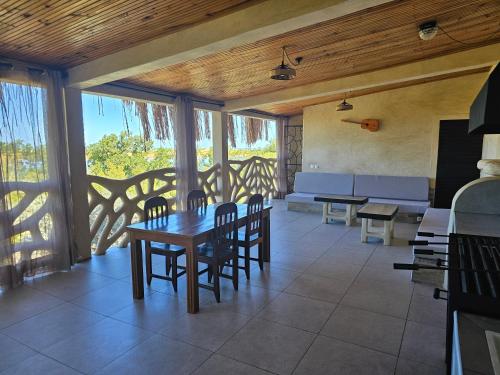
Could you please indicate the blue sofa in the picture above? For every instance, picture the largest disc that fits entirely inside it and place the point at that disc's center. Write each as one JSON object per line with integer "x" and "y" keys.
{"x": 310, "y": 184}
{"x": 409, "y": 193}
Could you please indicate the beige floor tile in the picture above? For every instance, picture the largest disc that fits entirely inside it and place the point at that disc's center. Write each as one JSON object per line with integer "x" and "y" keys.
{"x": 318, "y": 287}
{"x": 208, "y": 329}
{"x": 424, "y": 343}
{"x": 158, "y": 355}
{"x": 330, "y": 356}
{"x": 99, "y": 345}
{"x": 365, "y": 328}
{"x": 299, "y": 312}
{"x": 269, "y": 346}
{"x": 220, "y": 365}
{"x": 52, "y": 326}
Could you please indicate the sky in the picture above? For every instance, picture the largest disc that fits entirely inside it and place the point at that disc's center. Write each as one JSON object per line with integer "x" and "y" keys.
{"x": 110, "y": 120}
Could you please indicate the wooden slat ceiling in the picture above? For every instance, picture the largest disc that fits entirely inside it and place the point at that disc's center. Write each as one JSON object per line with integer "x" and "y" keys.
{"x": 64, "y": 33}
{"x": 369, "y": 40}
{"x": 296, "y": 107}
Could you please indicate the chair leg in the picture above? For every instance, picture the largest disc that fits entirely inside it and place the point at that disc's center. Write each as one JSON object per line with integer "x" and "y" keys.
{"x": 247, "y": 262}
{"x": 261, "y": 256}
{"x": 174, "y": 273}
{"x": 209, "y": 274}
{"x": 235, "y": 271}
{"x": 216, "y": 282}
{"x": 168, "y": 265}
{"x": 149, "y": 268}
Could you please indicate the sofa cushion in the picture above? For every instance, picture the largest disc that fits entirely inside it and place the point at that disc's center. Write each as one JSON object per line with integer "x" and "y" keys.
{"x": 392, "y": 187}
{"x": 405, "y": 206}
{"x": 301, "y": 198}
{"x": 309, "y": 198}
{"x": 324, "y": 183}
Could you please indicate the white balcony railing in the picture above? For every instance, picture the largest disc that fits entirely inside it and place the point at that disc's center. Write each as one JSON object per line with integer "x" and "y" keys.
{"x": 114, "y": 204}
{"x": 251, "y": 176}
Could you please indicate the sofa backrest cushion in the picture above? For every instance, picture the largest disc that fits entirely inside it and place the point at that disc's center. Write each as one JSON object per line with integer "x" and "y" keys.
{"x": 392, "y": 187}
{"x": 324, "y": 183}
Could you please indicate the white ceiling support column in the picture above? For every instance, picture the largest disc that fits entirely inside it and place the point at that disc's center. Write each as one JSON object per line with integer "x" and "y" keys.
{"x": 78, "y": 172}
{"x": 220, "y": 145}
{"x": 256, "y": 22}
{"x": 439, "y": 66}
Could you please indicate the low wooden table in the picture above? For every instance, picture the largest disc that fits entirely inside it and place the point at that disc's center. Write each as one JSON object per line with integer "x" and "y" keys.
{"x": 350, "y": 208}
{"x": 377, "y": 211}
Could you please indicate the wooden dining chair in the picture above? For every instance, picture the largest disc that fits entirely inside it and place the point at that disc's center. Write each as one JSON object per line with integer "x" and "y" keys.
{"x": 221, "y": 248}
{"x": 253, "y": 233}
{"x": 156, "y": 208}
{"x": 196, "y": 199}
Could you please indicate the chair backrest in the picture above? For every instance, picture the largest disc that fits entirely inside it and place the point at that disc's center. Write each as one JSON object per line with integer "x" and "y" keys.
{"x": 255, "y": 210}
{"x": 225, "y": 234}
{"x": 196, "y": 199}
{"x": 154, "y": 208}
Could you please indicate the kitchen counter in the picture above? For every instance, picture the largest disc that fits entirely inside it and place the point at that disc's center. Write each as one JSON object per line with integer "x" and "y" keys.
{"x": 473, "y": 347}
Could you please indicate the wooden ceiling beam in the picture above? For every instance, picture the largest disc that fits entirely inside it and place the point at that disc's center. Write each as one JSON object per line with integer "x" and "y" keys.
{"x": 260, "y": 21}
{"x": 464, "y": 61}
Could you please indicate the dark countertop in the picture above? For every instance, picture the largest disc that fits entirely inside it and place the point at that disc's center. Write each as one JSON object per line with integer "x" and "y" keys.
{"x": 474, "y": 350}
{"x": 477, "y": 224}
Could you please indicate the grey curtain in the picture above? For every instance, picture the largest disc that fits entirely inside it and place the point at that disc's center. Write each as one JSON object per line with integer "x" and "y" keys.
{"x": 185, "y": 149}
{"x": 282, "y": 155}
{"x": 35, "y": 236}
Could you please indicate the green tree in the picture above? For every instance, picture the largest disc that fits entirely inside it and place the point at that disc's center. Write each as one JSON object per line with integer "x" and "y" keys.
{"x": 123, "y": 156}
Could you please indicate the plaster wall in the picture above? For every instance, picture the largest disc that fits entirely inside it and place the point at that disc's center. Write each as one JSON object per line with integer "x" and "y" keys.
{"x": 407, "y": 142}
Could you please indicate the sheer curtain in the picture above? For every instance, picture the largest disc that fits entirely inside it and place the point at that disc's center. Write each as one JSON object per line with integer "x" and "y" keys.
{"x": 35, "y": 234}
{"x": 185, "y": 145}
{"x": 282, "y": 155}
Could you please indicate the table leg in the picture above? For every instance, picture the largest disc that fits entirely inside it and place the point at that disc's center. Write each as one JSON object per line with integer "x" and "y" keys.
{"x": 387, "y": 232}
{"x": 348, "y": 214}
{"x": 137, "y": 271}
{"x": 193, "y": 303}
{"x": 325, "y": 213}
{"x": 267, "y": 238}
{"x": 364, "y": 229}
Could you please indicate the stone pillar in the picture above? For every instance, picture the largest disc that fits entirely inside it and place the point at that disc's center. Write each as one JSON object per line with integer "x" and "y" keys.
{"x": 220, "y": 144}
{"x": 78, "y": 172}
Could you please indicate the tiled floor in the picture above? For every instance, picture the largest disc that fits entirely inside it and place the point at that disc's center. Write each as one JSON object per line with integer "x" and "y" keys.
{"x": 326, "y": 304}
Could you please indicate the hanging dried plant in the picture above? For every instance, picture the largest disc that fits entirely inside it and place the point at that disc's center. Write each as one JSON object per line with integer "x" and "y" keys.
{"x": 160, "y": 122}
{"x": 141, "y": 110}
{"x": 100, "y": 106}
{"x": 230, "y": 130}
{"x": 207, "y": 124}
{"x": 197, "y": 124}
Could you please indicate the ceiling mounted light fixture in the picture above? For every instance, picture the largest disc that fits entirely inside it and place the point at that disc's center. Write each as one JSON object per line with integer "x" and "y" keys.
{"x": 285, "y": 72}
{"x": 428, "y": 30}
{"x": 344, "y": 106}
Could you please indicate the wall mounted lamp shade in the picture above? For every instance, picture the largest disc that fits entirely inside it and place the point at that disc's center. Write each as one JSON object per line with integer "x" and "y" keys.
{"x": 427, "y": 30}
{"x": 344, "y": 106}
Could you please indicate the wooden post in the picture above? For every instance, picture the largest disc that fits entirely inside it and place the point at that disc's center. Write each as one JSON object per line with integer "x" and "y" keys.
{"x": 220, "y": 145}
{"x": 78, "y": 172}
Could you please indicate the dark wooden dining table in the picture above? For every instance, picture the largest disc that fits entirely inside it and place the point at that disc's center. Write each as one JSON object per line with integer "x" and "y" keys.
{"x": 187, "y": 229}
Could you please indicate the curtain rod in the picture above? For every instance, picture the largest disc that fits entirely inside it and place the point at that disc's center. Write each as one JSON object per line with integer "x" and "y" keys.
{"x": 5, "y": 62}
{"x": 165, "y": 93}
